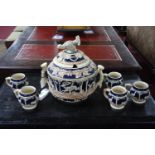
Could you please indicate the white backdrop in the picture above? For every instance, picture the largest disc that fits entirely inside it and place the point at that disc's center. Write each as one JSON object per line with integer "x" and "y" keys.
{"x": 77, "y": 12}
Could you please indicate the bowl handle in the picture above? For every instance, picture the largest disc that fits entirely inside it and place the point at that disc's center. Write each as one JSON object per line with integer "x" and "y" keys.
{"x": 43, "y": 94}
{"x": 7, "y": 80}
{"x": 43, "y": 80}
{"x": 101, "y": 78}
{"x": 106, "y": 93}
{"x": 16, "y": 92}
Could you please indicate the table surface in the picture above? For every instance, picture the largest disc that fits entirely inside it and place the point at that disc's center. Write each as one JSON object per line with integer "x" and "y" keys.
{"x": 95, "y": 112}
{"x": 37, "y": 45}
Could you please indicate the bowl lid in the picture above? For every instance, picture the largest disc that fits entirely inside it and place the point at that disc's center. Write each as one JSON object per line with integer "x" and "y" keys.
{"x": 71, "y": 57}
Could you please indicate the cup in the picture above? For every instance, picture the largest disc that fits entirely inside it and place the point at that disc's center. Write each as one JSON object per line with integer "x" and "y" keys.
{"x": 16, "y": 81}
{"x": 139, "y": 91}
{"x": 117, "y": 97}
{"x": 113, "y": 79}
{"x": 28, "y": 96}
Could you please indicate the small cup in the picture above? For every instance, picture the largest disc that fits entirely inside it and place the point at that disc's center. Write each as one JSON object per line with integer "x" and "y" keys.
{"x": 117, "y": 97}
{"x": 27, "y": 97}
{"x": 16, "y": 81}
{"x": 113, "y": 79}
{"x": 139, "y": 91}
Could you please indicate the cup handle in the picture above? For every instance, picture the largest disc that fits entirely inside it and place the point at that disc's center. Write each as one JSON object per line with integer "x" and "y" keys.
{"x": 43, "y": 94}
{"x": 128, "y": 86}
{"x": 105, "y": 75}
{"x": 27, "y": 83}
{"x": 147, "y": 97}
{"x": 7, "y": 80}
{"x": 100, "y": 69}
{"x": 16, "y": 92}
{"x": 106, "y": 92}
{"x": 43, "y": 80}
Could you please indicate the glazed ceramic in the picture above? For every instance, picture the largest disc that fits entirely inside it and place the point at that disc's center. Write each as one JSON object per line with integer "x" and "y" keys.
{"x": 16, "y": 81}
{"x": 72, "y": 76}
{"x": 28, "y": 97}
{"x": 113, "y": 79}
{"x": 139, "y": 91}
{"x": 117, "y": 97}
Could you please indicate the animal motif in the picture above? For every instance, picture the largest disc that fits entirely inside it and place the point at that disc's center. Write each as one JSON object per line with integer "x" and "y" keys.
{"x": 70, "y": 45}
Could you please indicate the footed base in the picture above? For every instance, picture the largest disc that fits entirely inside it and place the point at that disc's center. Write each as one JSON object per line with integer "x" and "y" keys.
{"x": 71, "y": 101}
{"x": 31, "y": 107}
{"x": 139, "y": 102}
{"x": 120, "y": 107}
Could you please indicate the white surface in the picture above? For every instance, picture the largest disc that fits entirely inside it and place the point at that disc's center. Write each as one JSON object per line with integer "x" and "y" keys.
{"x": 77, "y": 142}
{"x": 74, "y": 13}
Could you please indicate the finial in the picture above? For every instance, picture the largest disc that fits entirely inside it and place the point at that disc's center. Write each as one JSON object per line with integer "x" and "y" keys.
{"x": 70, "y": 45}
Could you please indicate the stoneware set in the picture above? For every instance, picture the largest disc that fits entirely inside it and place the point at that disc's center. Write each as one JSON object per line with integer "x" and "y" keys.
{"x": 119, "y": 93}
{"x": 27, "y": 95}
{"x": 72, "y": 77}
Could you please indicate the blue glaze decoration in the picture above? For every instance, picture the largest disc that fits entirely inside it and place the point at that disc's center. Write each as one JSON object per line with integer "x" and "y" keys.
{"x": 139, "y": 93}
{"x": 27, "y": 101}
{"x": 90, "y": 72}
{"x": 115, "y": 79}
{"x": 118, "y": 95}
{"x": 140, "y": 89}
{"x": 13, "y": 80}
{"x": 28, "y": 95}
{"x": 73, "y": 59}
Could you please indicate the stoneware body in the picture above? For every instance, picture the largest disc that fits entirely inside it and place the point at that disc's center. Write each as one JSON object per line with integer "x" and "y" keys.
{"x": 113, "y": 79}
{"x": 72, "y": 76}
{"x": 117, "y": 97}
{"x": 27, "y": 97}
{"x": 16, "y": 81}
{"x": 139, "y": 92}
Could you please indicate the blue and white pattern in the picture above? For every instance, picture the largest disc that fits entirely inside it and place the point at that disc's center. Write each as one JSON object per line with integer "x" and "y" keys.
{"x": 74, "y": 83}
{"x": 139, "y": 95}
{"x": 72, "y": 76}
{"x": 117, "y": 99}
{"x": 111, "y": 82}
{"x": 73, "y": 73}
{"x": 28, "y": 101}
{"x": 17, "y": 84}
{"x": 73, "y": 91}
